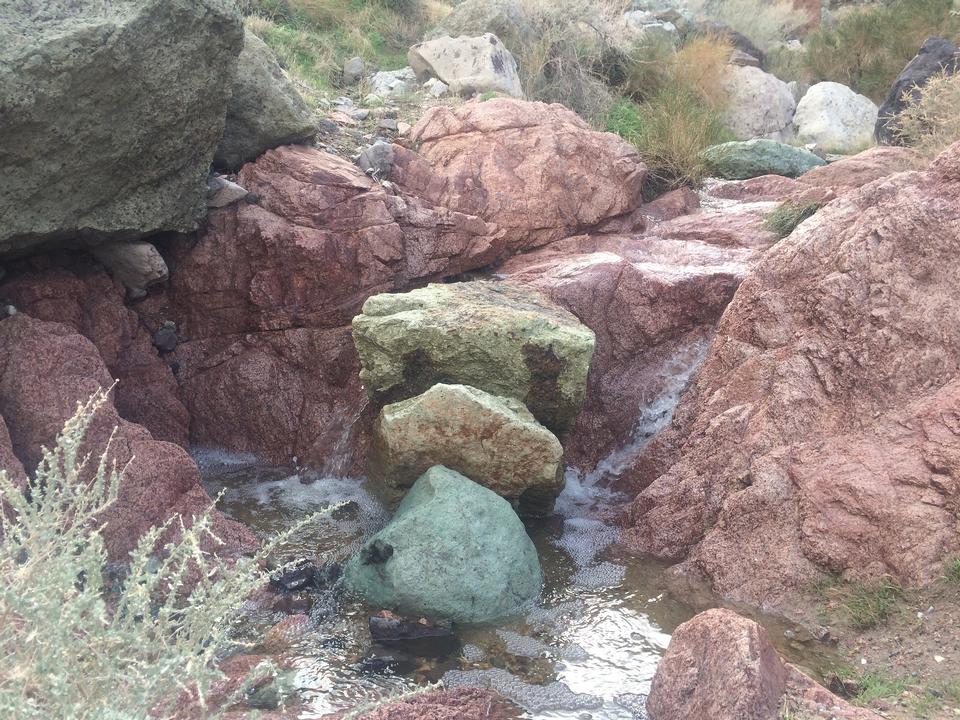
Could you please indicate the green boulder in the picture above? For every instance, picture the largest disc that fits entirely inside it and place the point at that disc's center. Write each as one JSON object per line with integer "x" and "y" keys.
{"x": 753, "y": 158}
{"x": 454, "y": 550}
{"x": 501, "y": 338}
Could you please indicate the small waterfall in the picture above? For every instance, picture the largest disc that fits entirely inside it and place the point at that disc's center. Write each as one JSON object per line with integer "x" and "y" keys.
{"x": 340, "y": 458}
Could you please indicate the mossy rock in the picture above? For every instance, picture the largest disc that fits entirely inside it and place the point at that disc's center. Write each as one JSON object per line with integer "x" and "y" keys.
{"x": 504, "y": 339}
{"x": 753, "y": 158}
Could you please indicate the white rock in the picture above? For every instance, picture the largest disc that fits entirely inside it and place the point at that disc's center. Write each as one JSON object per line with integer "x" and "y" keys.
{"x": 759, "y": 105}
{"x": 836, "y": 118}
{"x": 467, "y": 64}
{"x": 639, "y": 25}
{"x": 392, "y": 83}
{"x": 222, "y": 192}
{"x": 137, "y": 265}
{"x": 436, "y": 88}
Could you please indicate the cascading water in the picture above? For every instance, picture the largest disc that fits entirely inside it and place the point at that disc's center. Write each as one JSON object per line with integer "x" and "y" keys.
{"x": 588, "y": 649}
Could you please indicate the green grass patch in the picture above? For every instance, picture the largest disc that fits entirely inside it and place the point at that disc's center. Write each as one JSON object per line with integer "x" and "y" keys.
{"x": 862, "y": 606}
{"x": 952, "y": 571}
{"x": 787, "y": 216}
{"x": 865, "y": 687}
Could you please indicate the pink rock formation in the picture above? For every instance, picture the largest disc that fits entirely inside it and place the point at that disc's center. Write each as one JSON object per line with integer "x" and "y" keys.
{"x": 538, "y": 171}
{"x": 721, "y": 666}
{"x": 77, "y": 292}
{"x": 822, "y": 432}
{"x": 46, "y": 368}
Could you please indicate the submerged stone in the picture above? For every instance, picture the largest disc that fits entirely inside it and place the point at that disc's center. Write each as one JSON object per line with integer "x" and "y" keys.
{"x": 494, "y": 441}
{"x": 753, "y": 158}
{"x": 504, "y": 339}
{"x": 454, "y": 551}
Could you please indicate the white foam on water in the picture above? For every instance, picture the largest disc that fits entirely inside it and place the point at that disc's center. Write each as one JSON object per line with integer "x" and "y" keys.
{"x": 555, "y": 696}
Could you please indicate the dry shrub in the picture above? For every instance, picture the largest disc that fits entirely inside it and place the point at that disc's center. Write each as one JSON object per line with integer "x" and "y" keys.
{"x": 868, "y": 47}
{"x": 932, "y": 123}
{"x": 700, "y": 65}
{"x": 676, "y": 114}
{"x": 568, "y": 53}
{"x": 764, "y": 23}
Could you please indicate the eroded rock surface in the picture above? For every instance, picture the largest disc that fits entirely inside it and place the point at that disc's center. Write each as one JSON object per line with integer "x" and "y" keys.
{"x": 133, "y": 147}
{"x": 46, "y": 368}
{"x": 821, "y": 433}
{"x": 538, "y": 171}
{"x": 722, "y": 666}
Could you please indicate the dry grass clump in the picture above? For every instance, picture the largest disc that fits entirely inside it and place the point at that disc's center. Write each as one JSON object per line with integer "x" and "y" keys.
{"x": 764, "y": 23}
{"x": 932, "y": 123}
{"x": 673, "y": 110}
{"x": 568, "y": 55}
{"x": 868, "y": 47}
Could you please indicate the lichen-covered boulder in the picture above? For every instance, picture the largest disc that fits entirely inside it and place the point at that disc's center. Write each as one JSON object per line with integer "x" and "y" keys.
{"x": 494, "y": 441}
{"x": 497, "y": 337}
{"x": 753, "y": 158}
{"x": 109, "y": 115}
{"x": 265, "y": 111}
{"x": 836, "y": 118}
{"x": 454, "y": 550}
{"x": 758, "y": 104}
{"x": 467, "y": 64}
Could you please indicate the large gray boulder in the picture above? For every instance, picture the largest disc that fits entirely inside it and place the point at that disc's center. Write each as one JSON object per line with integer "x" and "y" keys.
{"x": 759, "y": 105}
{"x": 467, "y": 64}
{"x": 266, "y": 111}
{"x": 110, "y": 113}
{"x": 836, "y": 118}
{"x": 742, "y": 160}
{"x": 936, "y": 55}
{"x": 454, "y": 550}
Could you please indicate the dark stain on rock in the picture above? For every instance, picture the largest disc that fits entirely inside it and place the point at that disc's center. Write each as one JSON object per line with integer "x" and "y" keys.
{"x": 543, "y": 398}
{"x": 376, "y": 553}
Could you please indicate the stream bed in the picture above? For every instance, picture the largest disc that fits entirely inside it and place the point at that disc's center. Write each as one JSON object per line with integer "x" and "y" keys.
{"x": 587, "y": 649}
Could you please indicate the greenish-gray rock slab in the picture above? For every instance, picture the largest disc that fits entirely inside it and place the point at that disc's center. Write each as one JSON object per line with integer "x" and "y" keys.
{"x": 753, "y": 158}
{"x": 454, "y": 550}
{"x": 494, "y": 441}
{"x": 504, "y": 339}
{"x": 110, "y": 113}
{"x": 265, "y": 111}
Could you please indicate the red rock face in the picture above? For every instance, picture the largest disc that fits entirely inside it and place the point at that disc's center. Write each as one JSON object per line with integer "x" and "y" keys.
{"x": 721, "y": 666}
{"x": 263, "y": 301}
{"x": 86, "y": 298}
{"x": 8, "y": 461}
{"x": 538, "y": 171}
{"x": 653, "y": 303}
{"x": 822, "y": 431}
{"x": 45, "y": 369}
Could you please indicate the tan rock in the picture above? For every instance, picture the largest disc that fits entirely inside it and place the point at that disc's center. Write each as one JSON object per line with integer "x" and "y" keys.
{"x": 494, "y": 441}
{"x": 468, "y": 65}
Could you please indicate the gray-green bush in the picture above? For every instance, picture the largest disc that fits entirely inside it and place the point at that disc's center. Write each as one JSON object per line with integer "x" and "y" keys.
{"x": 74, "y": 646}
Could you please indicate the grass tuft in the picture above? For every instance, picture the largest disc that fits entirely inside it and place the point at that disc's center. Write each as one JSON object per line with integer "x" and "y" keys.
{"x": 785, "y": 218}
{"x": 864, "y": 606}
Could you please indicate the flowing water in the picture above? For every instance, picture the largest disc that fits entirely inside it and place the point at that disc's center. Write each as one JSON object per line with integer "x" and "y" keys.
{"x": 588, "y": 649}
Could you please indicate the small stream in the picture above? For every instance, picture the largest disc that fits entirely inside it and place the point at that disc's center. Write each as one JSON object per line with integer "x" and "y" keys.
{"x": 588, "y": 649}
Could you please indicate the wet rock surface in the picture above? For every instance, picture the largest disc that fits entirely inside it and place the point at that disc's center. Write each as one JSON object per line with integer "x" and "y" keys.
{"x": 835, "y": 347}
{"x": 453, "y": 550}
{"x": 494, "y": 441}
{"x": 46, "y": 368}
